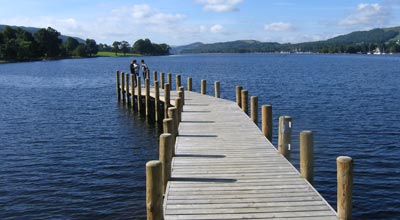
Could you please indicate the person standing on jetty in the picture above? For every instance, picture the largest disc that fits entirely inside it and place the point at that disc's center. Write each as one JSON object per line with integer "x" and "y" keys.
{"x": 134, "y": 70}
{"x": 145, "y": 70}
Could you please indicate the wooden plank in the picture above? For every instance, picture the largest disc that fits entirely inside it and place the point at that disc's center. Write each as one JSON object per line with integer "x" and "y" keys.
{"x": 225, "y": 168}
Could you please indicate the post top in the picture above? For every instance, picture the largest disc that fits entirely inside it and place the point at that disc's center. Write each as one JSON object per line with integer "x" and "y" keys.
{"x": 164, "y": 135}
{"x": 153, "y": 163}
{"x": 172, "y": 109}
{"x": 344, "y": 159}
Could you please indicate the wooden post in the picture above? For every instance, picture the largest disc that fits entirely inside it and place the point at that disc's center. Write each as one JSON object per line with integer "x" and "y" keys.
{"x": 189, "y": 84}
{"x": 182, "y": 94}
{"x": 217, "y": 89}
{"x": 254, "y": 109}
{"x": 178, "y": 82}
{"x": 245, "y": 100}
{"x": 154, "y": 190}
{"x": 123, "y": 87}
{"x": 267, "y": 121}
{"x": 147, "y": 96}
{"x": 162, "y": 79}
{"x": 170, "y": 80}
{"x": 165, "y": 156}
{"x": 203, "y": 86}
{"x": 344, "y": 187}
{"x": 285, "y": 136}
{"x": 156, "y": 101}
{"x": 155, "y": 78}
{"x": 133, "y": 90}
{"x": 239, "y": 96}
{"x": 128, "y": 95}
{"x": 168, "y": 127}
{"x": 173, "y": 113}
{"x": 139, "y": 94}
{"x": 167, "y": 99}
{"x": 178, "y": 106}
{"x": 307, "y": 155}
{"x": 118, "y": 87}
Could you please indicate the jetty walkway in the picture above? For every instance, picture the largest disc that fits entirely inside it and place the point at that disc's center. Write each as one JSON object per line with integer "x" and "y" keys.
{"x": 217, "y": 164}
{"x": 224, "y": 168}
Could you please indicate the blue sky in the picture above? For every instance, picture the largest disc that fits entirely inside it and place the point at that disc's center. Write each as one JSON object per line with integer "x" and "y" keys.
{"x": 179, "y": 22}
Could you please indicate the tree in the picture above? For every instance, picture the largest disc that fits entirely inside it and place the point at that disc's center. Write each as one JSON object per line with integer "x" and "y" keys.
{"x": 104, "y": 47}
{"x": 70, "y": 45}
{"x": 116, "y": 46}
{"x": 91, "y": 47}
{"x": 80, "y": 50}
{"x": 145, "y": 47}
{"x": 9, "y": 33}
{"x": 125, "y": 47}
{"x": 49, "y": 43}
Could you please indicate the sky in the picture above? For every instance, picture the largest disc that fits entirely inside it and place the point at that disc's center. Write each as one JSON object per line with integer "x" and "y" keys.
{"x": 181, "y": 22}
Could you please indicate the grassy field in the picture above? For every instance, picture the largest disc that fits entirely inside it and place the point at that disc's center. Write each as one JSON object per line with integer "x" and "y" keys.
{"x": 112, "y": 54}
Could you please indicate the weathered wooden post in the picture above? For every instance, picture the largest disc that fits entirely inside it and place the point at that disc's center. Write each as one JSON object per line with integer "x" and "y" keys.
{"x": 123, "y": 87}
{"x": 162, "y": 79}
{"x": 178, "y": 106}
{"x": 217, "y": 89}
{"x": 167, "y": 99}
{"x": 170, "y": 80}
{"x": 147, "y": 96}
{"x": 189, "y": 84}
{"x": 182, "y": 94}
{"x": 285, "y": 136}
{"x": 178, "y": 82}
{"x": 245, "y": 100}
{"x": 154, "y": 190}
{"x": 239, "y": 96}
{"x": 156, "y": 101}
{"x": 254, "y": 109}
{"x": 133, "y": 90}
{"x": 173, "y": 113}
{"x": 203, "y": 86}
{"x": 168, "y": 127}
{"x": 266, "y": 111}
{"x": 118, "y": 87}
{"x": 307, "y": 155}
{"x": 139, "y": 94}
{"x": 165, "y": 156}
{"x": 155, "y": 78}
{"x": 128, "y": 95}
{"x": 344, "y": 187}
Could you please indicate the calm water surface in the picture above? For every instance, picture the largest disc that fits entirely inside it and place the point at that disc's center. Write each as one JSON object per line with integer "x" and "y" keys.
{"x": 69, "y": 151}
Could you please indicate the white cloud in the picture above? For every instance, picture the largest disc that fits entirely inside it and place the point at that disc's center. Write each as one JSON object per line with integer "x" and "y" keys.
{"x": 202, "y": 29}
{"x": 220, "y": 5}
{"x": 217, "y": 29}
{"x": 368, "y": 15}
{"x": 279, "y": 27}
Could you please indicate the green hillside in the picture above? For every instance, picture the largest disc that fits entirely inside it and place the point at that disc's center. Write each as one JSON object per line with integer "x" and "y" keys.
{"x": 387, "y": 40}
{"x": 34, "y": 30}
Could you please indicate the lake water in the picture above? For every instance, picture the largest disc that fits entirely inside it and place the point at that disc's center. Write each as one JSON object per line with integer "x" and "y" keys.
{"x": 69, "y": 151}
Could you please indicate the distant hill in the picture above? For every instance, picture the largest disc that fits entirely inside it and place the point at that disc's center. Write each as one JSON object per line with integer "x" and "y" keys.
{"x": 179, "y": 49}
{"x": 387, "y": 39}
{"x": 34, "y": 30}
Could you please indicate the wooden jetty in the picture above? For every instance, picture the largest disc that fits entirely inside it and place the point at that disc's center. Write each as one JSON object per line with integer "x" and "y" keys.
{"x": 215, "y": 163}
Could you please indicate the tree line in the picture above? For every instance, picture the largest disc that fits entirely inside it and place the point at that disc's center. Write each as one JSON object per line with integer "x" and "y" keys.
{"x": 386, "y": 40}
{"x": 142, "y": 46}
{"x": 17, "y": 44}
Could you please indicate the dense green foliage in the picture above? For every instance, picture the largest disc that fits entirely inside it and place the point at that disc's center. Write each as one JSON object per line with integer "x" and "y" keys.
{"x": 17, "y": 44}
{"x": 144, "y": 47}
{"x": 387, "y": 40}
